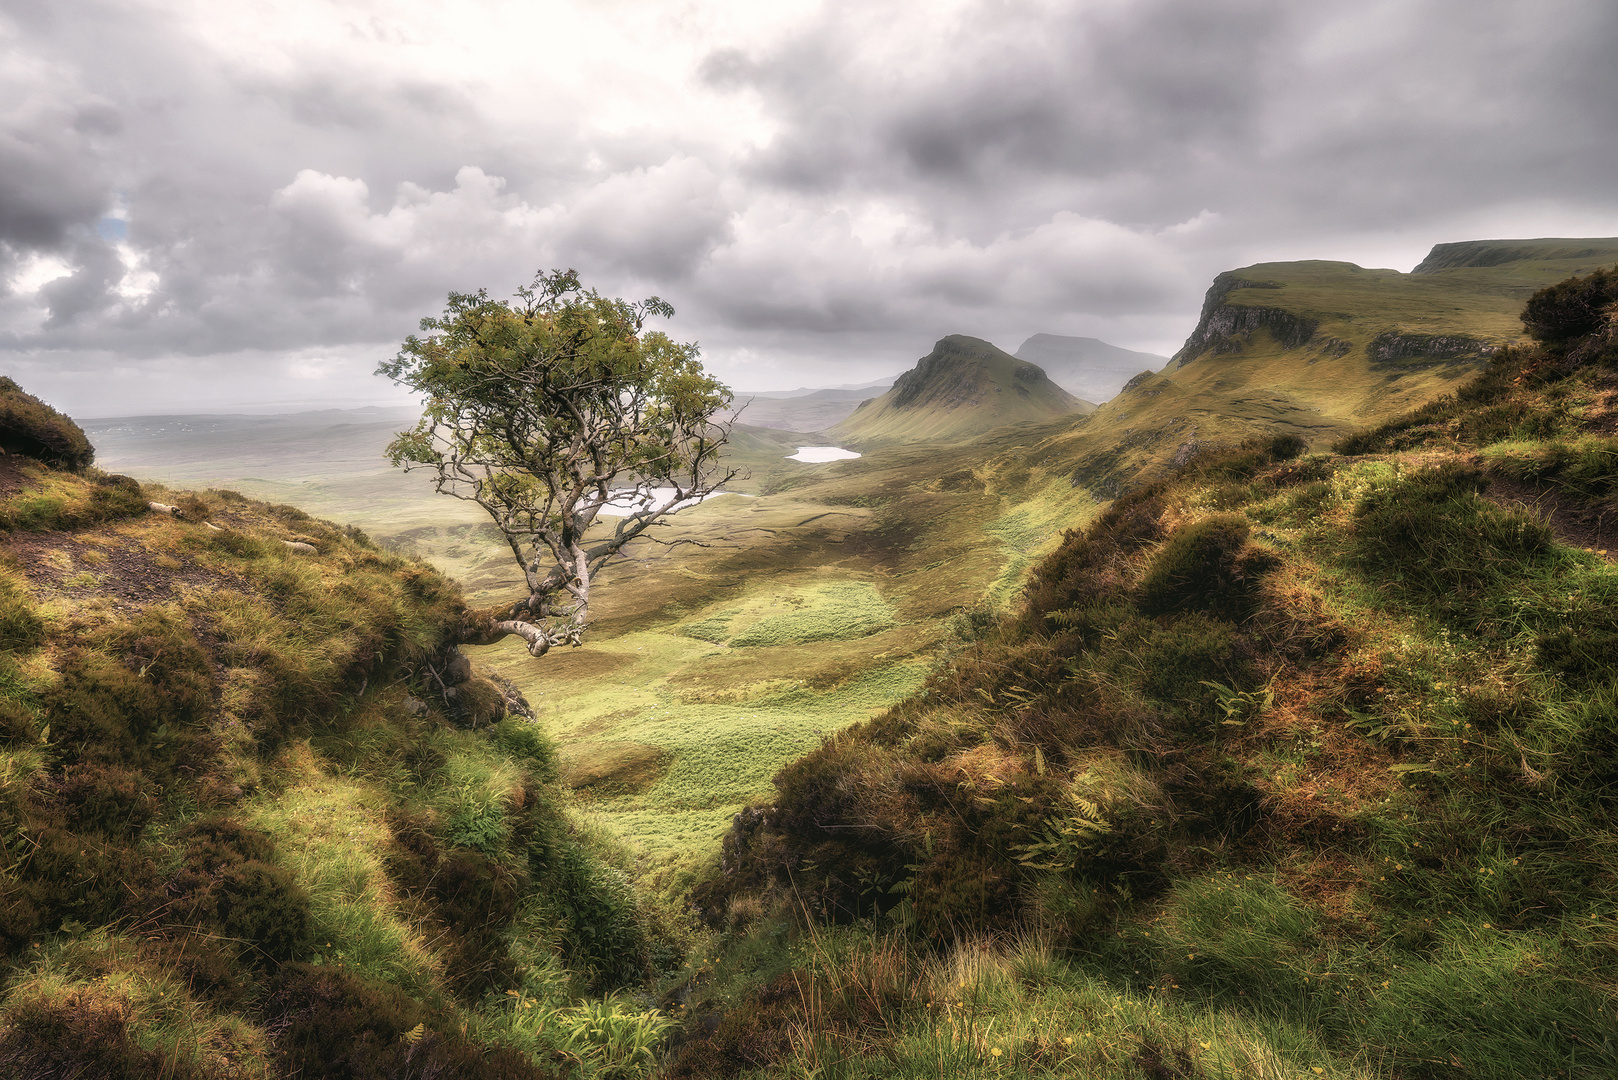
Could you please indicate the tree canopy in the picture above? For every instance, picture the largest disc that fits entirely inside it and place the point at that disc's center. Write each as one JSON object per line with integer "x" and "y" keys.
{"x": 546, "y": 411}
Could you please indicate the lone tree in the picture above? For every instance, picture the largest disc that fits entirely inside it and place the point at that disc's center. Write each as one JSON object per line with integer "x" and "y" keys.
{"x": 545, "y": 412}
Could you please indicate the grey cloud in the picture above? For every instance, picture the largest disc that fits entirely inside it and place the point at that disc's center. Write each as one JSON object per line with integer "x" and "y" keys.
{"x": 998, "y": 167}
{"x": 1149, "y": 112}
{"x": 1078, "y": 93}
{"x": 53, "y": 175}
{"x": 658, "y": 223}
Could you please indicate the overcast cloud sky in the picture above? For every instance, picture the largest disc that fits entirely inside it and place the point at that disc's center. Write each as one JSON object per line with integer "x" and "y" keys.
{"x": 210, "y": 205}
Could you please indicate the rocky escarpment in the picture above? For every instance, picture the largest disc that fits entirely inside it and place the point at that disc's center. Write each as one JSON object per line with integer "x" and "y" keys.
{"x": 1393, "y": 346}
{"x": 1225, "y": 327}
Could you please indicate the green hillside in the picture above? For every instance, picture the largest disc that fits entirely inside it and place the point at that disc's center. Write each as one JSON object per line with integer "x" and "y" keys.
{"x": 1319, "y": 349}
{"x": 962, "y": 389}
{"x": 1286, "y": 765}
{"x": 252, "y": 825}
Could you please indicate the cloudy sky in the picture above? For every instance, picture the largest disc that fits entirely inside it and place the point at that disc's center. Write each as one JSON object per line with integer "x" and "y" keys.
{"x": 209, "y": 205}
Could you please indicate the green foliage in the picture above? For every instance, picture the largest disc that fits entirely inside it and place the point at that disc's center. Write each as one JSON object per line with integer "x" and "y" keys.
{"x": 30, "y": 427}
{"x": 1570, "y": 309}
{"x": 529, "y": 743}
{"x": 1063, "y": 840}
{"x": 609, "y": 1038}
{"x": 542, "y": 412}
{"x": 1205, "y": 566}
{"x": 607, "y": 936}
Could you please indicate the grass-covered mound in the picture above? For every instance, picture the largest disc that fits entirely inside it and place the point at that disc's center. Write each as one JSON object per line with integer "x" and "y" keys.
{"x": 33, "y": 429}
{"x": 1282, "y": 767}
{"x": 242, "y": 835}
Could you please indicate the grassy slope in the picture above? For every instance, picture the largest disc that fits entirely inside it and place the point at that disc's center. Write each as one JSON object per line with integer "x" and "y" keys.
{"x": 1287, "y": 768}
{"x": 232, "y": 847}
{"x": 814, "y": 607}
{"x": 1330, "y": 384}
{"x": 921, "y": 534}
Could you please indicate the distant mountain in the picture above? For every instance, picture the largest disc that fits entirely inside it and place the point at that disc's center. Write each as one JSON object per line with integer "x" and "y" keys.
{"x": 1087, "y": 367}
{"x": 804, "y": 410}
{"x": 856, "y": 391}
{"x": 1320, "y": 349}
{"x": 960, "y": 390}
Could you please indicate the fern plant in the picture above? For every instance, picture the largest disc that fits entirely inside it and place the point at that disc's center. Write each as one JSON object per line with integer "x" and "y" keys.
{"x": 1062, "y": 841}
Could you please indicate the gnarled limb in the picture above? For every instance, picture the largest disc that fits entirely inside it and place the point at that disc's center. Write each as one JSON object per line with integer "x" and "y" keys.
{"x": 544, "y": 414}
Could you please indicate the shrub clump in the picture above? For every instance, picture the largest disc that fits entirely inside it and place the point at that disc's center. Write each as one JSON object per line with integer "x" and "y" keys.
{"x": 1570, "y": 309}
{"x": 1207, "y": 566}
{"x": 78, "y": 1034}
{"x": 337, "y": 1026}
{"x": 32, "y": 428}
{"x": 137, "y": 695}
{"x": 230, "y": 880}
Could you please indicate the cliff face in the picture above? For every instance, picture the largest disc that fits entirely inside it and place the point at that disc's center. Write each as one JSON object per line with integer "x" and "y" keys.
{"x": 1319, "y": 348}
{"x": 1226, "y": 327}
{"x": 1392, "y": 346}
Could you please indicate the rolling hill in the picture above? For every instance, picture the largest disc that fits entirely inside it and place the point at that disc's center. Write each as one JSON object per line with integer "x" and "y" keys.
{"x": 962, "y": 389}
{"x": 1318, "y": 349}
{"x": 256, "y": 825}
{"x": 1086, "y": 367}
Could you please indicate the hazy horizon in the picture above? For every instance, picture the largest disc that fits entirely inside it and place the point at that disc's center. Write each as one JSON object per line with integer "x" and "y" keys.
{"x": 206, "y": 204}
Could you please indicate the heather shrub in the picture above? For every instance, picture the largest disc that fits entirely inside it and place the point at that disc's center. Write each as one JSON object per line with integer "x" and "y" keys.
{"x": 106, "y": 799}
{"x": 1570, "y": 309}
{"x": 32, "y": 428}
{"x": 78, "y": 1034}
{"x": 1205, "y": 566}
{"x": 264, "y": 906}
{"x": 336, "y": 1026}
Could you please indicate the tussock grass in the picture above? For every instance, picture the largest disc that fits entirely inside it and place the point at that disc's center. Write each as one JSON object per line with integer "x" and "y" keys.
{"x": 331, "y": 834}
